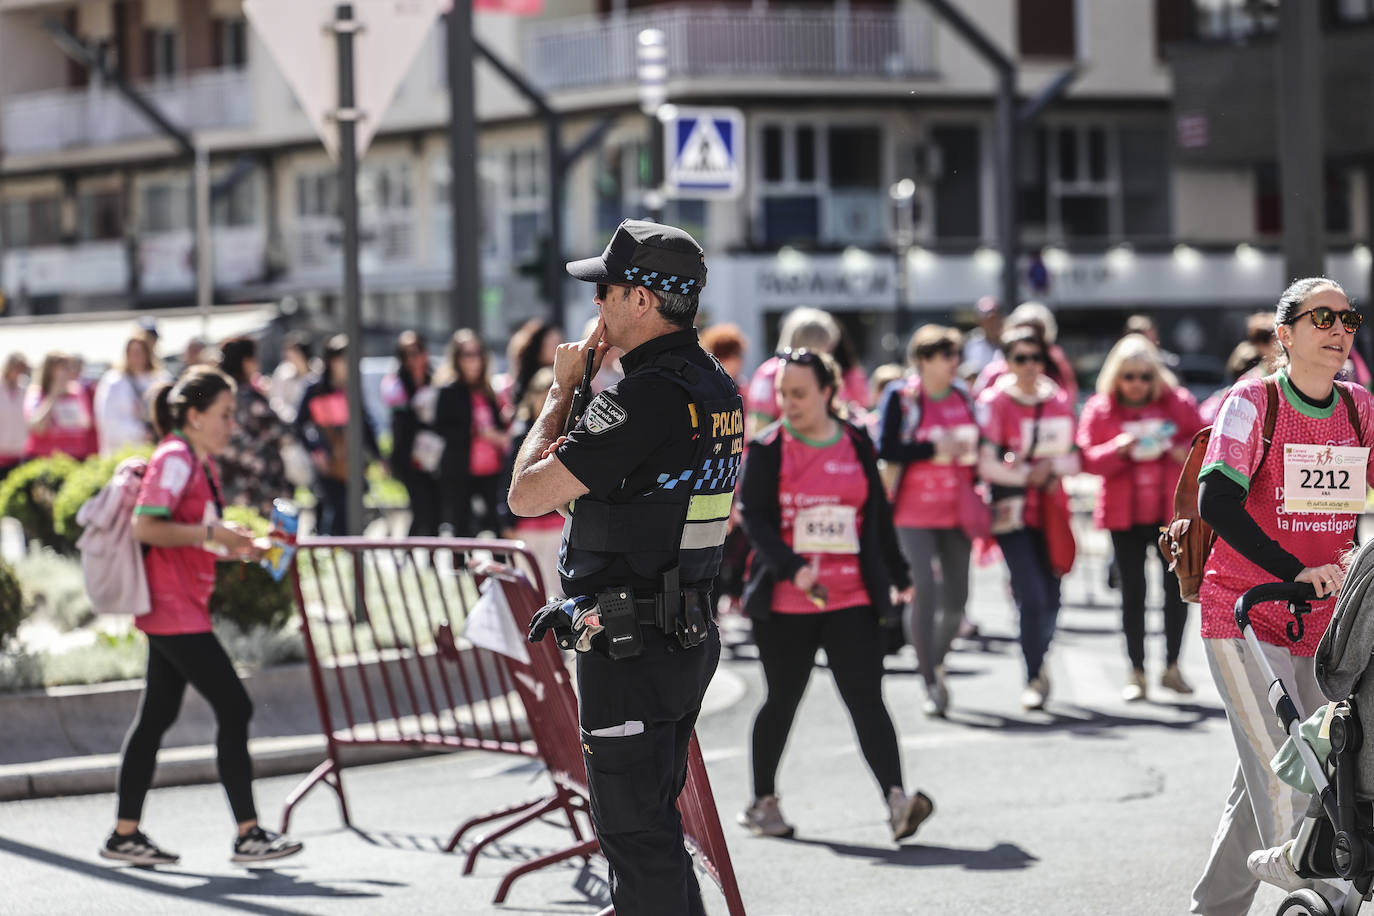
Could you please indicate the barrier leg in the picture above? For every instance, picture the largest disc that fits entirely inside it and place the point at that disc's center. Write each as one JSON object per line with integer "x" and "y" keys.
{"x": 331, "y": 774}
{"x": 584, "y": 849}
{"x": 485, "y": 818}
{"x": 543, "y": 806}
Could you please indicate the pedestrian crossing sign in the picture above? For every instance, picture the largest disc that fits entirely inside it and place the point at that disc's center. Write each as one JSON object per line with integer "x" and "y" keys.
{"x": 705, "y": 152}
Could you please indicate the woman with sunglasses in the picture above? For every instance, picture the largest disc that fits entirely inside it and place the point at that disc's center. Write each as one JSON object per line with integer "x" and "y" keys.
{"x": 1134, "y": 434}
{"x": 824, "y": 563}
{"x": 1028, "y": 433}
{"x": 1275, "y": 521}
{"x": 929, "y": 430}
{"x": 474, "y": 428}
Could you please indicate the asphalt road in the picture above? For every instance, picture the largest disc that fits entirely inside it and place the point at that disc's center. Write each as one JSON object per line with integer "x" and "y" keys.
{"x": 1094, "y": 807}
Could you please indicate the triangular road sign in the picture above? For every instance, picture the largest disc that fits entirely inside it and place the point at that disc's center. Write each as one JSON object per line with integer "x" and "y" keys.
{"x": 298, "y": 37}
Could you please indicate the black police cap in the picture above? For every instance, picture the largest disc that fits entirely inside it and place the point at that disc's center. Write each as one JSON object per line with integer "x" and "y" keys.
{"x": 641, "y": 253}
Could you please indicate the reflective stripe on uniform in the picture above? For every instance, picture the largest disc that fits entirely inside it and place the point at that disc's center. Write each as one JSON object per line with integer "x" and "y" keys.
{"x": 710, "y": 507}
{"x": 702, "y": 535}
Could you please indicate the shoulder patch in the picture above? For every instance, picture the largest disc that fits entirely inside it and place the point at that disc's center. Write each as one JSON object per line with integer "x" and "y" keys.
{"x": 604, "y": 414}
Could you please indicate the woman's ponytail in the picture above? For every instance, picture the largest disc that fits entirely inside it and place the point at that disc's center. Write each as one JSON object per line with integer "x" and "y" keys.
{"x": 160, "y": 409}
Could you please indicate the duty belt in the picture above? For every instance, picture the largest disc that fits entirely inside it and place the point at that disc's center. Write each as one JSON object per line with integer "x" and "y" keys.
{"x": 682, "y": 615}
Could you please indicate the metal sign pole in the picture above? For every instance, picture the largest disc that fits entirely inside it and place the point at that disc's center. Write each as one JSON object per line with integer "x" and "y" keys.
{"x": 205, "y": 281}
{"x": 345, "y": 26}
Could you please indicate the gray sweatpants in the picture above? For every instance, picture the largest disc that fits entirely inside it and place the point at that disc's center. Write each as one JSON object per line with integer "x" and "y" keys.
{"x": 932, "y": 624}
{"x": 1261, "y": 811}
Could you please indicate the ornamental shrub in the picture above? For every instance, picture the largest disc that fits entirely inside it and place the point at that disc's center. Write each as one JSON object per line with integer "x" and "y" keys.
{"x": 28, "y": 494}
{"x": 11, "y": 604}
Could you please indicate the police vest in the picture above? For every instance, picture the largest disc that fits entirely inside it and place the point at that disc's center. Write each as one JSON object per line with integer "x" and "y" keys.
{"x": 683, "y": 518}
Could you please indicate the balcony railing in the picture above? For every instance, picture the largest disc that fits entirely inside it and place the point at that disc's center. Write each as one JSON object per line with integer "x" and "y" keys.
{"x": 53, "y": 120}
{"x": 590, "y": 51}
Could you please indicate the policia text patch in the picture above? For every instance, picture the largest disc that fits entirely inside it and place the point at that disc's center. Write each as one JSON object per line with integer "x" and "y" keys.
{"x": 604, "y": 414}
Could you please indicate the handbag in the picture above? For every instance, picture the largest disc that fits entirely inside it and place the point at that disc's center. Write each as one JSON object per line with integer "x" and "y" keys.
{"x": 1008, "y": 503}
{"x": 975, "y": 518}
{"x": 1058, "y": 531}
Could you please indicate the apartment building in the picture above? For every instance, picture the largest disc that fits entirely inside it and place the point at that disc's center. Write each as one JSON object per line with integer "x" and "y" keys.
{"x": 841, "y": 100}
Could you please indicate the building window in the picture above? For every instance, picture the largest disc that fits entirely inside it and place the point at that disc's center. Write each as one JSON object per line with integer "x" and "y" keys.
{"x": 1173, "y": 23}
{"x": 1233, "y": 19}
{"x": 525, "y": 203}
{"x": 1145, "y": 199}
{"x": 164, "y": 207}
{"x": 821, "y": 185}
{"x": 1046, "y": 28}
{"x": 1094, "y": 181}
{"x": 238, "y": 206}
{"x": 231, "y": 43}
{"x": 958, "y": 188}
{"x": 1269, "y": 201}
{"x": 317, "y": 195}
{"x": 162, "y": 52}
{"x": 1355, "y": 10}
{"x": 99, "y": 216}
{"x": 622, "y": 176}
{"x": 32, "y": 221}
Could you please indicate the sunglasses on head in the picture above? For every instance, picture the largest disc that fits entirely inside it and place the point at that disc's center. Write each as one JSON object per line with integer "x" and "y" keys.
{"x": 941, "y": 352}
{"x": 1020, "y": 359}
{"x": 1324, "y": 317}
{"x": 1137, "y": 376}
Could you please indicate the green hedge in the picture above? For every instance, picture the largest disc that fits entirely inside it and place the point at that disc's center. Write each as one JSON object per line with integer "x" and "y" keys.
{"x": 11, "y": 604}
{"x": 29, "y": 493}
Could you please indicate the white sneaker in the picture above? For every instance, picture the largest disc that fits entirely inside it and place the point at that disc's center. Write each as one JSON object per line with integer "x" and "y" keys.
{"x": 1273, "y": 866}
{"x": 764, "y": 818}
{"x": 1036, "y": 693}
{"x": 937, "y": 697}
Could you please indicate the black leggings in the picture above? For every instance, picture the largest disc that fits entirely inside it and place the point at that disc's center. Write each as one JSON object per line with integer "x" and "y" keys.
{"x": 174, "y": 661}
{"x": 853, "y": 646}
{"x": 1132, "y": 547}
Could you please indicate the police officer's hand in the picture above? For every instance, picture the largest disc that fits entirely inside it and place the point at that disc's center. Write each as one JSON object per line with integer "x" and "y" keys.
{"x": 571, "y": 358}
{"x": 552, "y": 616}
{"x": 552, "y": 447}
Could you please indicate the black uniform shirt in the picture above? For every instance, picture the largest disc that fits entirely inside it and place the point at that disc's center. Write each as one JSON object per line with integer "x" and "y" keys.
{"x": 633, "y": 431}
{"x": 637, "y": 428}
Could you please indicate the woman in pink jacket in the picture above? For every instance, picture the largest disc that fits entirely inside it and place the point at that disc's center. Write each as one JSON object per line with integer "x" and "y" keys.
{"x": 1134, "y": 434}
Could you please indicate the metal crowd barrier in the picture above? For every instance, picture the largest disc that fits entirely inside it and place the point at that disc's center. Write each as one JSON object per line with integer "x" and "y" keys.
{"x": 380, "y": 621}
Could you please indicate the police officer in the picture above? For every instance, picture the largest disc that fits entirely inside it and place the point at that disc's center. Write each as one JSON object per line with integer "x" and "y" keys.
{"x": 646, "y": 477}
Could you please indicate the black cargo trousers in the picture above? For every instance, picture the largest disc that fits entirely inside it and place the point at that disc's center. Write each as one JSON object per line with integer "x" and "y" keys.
{"x": 635, "y": 780}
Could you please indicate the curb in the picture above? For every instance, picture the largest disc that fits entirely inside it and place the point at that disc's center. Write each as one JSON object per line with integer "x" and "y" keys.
{"x": 283, "y": 692}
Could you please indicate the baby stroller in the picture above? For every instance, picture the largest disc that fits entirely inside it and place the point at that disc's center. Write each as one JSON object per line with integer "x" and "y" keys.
{"x": 1336, "y": 840}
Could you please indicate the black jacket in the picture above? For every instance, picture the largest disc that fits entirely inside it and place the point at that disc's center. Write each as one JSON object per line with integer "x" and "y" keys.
{"x": 880, "y": 557}
{"x": 453, "y": 421}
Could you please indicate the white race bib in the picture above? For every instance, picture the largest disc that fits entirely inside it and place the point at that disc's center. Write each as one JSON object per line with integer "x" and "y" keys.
{"x": 1151, "y": 437}
{"x": 1053, "y": 439}
{"x": 961, "y": 444}
{"x": 1324, "y": 478}
{"x": 826, "y": 529}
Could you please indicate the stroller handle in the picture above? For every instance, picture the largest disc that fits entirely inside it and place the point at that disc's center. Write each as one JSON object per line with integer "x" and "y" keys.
{"x": 1271, "y": 591}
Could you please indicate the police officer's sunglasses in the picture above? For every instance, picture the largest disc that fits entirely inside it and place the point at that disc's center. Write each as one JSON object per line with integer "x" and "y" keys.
{"x": 1324, "y": 317}
{"x": 603, "y": 289}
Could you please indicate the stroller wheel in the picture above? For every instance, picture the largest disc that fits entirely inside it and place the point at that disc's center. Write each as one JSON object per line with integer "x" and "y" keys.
{"x": 1305, "y": 902}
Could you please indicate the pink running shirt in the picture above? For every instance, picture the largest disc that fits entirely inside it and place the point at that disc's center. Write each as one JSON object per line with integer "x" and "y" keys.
{"x": 816, "y": 474}
{"x": 1315, "y": 539}
{"x": 928, "y": 493}
{"x": 180, "y": 579}
{"x": 1007, "y": 423}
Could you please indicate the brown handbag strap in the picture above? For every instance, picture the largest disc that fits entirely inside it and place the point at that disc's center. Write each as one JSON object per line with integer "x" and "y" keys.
{"x": 1352, "y": 412}
{"x": 1271, "y": 416}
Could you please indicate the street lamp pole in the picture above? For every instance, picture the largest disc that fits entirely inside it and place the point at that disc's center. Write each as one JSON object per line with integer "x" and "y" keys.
{"x": 652, "y": 70}
{"x": 902, "y": 193}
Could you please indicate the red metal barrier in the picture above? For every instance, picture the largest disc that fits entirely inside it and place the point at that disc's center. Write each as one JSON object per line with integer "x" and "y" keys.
{"x": 378, "y": 620}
